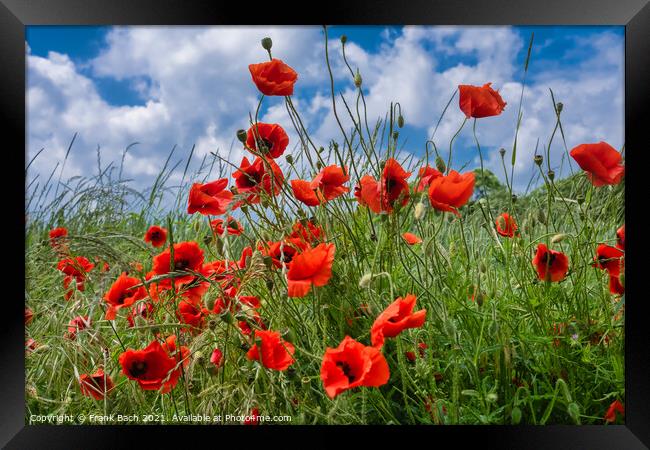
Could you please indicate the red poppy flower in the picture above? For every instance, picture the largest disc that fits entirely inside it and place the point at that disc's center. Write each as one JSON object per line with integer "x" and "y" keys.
{"x": 191, "y": 314}
{"x": 233, "y": 227}
{"x": 382, "y": 196}
{"x": 480, "y": 101}
{"x": 105, "y": 267}
{"x": 181, "y": 353}
{"x": 142, "y": 309}
{"x": 255, "y": 178}
{"x": 427, "y": 175}
{"x": 411, "y": 239}
{"x": 123, "y": 293}
{"x": 308, "y": 232}
{"x": 272, "y": 137}
{"x": 253, "y": 418}
{"x": 151, "y": 367}
{"x": 615, "y": 286}
{"x": 246, "y": 255}
{"x": 30, "y": 344}
{"x": 156, "y": 235}
{"x": 620, "y": 237}
{"x": 78, "y": 286}
{"x": 329, "y": 182}
{"x": 551, "y": 265}
{"x": 304, "y": 193}
{"x": 77, "y": 324}
{"x": 216, "y": 358}
{"x": 76, "y": 267}
{"x": 350, "y": 365}
{"x": 311, "y": 267}
{"x": 609, "y": 258}
{"x": 616, "y": 406}
{"x": 210, "y": 198}
{"x": 601, "y": 161}
{"x": 29, "y": 315}
{"x": 57, "y": 235}
{"x": 274, "y": 77}
{"x": 506, "y": 225}
{"x": 187, "y": 256}
{"x": 450, "y": 192}
{"x": 274, "y": 352}
{"x": 283, "y": 252}
{"x": 96, "y": 385}
{"x": 397, "y": 317}
{"x": 244, "y": 327}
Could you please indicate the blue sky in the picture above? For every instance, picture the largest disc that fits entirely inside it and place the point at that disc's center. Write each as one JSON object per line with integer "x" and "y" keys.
{"x": 184, "y": 86}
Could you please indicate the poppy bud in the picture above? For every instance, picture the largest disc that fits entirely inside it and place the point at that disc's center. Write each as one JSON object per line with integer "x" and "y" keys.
{"x": 551, "y": 175}
{"x": 440, "y": 164}
{"x": 365, "y": 280}
{"x": 491, "y": 397}
{"x": 209, "y": 303}
{"x": 234, "y": 190}
{"x": 269, "y": 284}
{"x": 420, "y": 211}
{"x": 227, "y": 317}
{"x": 289, "y": 159}
{"x": 515, "y": 415}
{"x": 244, "y": 209}
{"x": 344, "y": 39}
{"x": 514, "y": 198}
{"x": 558, "y": 238}
{"x": 502, "y": 152}
{"x": 357, "y": 79}
{"x": 541, "y": 216}
{"x": 319, "y": 165}
{"x": 197, "y": 226}
{"x": 559, "y": 107}
{"x": 400, "y": 121}
{"x": 580, "y": 199}
{"x": 207, "y": 239}
{"x": 268, "y": 261}
{"x": 219, "y": 244}
{"x": 267, "y": 43}
{"x": 198, "y": 356}
{"x": 539, "y": 159}
{"x": 482, "y": 267}
{"x": 241, "y": 135}
{"x": 322, "y": 149}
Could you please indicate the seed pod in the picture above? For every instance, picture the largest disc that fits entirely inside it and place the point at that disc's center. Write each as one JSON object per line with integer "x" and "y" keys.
{"x": 419, "y": 211}
{"x": 400, "y": 121}
{"x": 440, "y": 164}
{"x": 241, "y": 135}
{"x": 365, "y": 280}
{"x": 559, "y": 107}
{"x": 344, "y": 39}
{"x": 319, "y": 165}
{"x": 551, "y": 175}
{"x": 289, "y": 159}
{"x": 514, "y": 198}
{"x": 502, "y": 152}
{"x": 357, "y": 79}
{"x": 267, "y": 43}
{"x": 539, "y": 159}
{"x": 558, "y": 238}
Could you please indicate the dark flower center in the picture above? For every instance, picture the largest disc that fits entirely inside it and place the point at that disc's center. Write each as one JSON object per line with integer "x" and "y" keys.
{"x": 155, "y": 234}
{"x": 266, "y": 146}
{"x": 393, "y": 319}
{"x": 181, "y": 264}
{"x": 347, "y": 370}
{"x": 550, "y": 258}
{"x": 138, "y": 368}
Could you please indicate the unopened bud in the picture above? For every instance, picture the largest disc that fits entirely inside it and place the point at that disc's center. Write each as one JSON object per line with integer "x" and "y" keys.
{"x": 580, "y": 199}
{"x": 400, "y": 121}
{"x": 539, "y": 159}
{"x": 559, "y": 107}
{"x": 440, "y": 164}
{"x": 244, "y": 208}
{"x": 551, "y": 175}
{"x": 420, "y": 211}
{"x": 558, "y": 238}
{"x": 344, "y": 39}
{"x": 482, "y": 267}
{"x": 267, "y": 43}
{"x": 502, "y": 152}
{"x": 514, "y": 198}
{"x": 322, "y": 149}
{"x": 541, "y": 216}
{"x": 289, "y": 159}
{"x": 319, "y": 165}
{"x": 357, "y": 79}
{"x": 365, "y": 280}
{"x": 241, "y": 135}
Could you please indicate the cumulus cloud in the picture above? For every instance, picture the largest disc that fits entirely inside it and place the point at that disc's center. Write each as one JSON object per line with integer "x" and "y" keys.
{"x": 195, "y": 89}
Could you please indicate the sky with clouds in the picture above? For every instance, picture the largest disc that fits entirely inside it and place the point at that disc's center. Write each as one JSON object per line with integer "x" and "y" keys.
{"x": 185, "y": 86}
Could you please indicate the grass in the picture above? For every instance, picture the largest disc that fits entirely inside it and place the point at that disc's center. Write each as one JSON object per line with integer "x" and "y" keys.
{"x": 494, "y": 359}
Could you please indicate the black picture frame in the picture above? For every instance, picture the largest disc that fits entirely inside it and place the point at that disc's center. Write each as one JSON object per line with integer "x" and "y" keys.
{"x": 15, "y": 15}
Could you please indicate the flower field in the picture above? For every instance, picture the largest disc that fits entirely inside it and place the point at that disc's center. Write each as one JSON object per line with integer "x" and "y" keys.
{"x": 345, "y": 284}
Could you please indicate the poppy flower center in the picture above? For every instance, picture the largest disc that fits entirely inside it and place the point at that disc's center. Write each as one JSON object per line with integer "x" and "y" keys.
{"x": 123, "y": 296}
{"x": 181, "y": 264}
{"x": 251, "y": 179}
{"x": 347, "y": 370}
{"x": 155, "y": 234}
{"x": 267, "y": 146}
{"x": 138, "y": 368}
{"x": 393, "y": 319}
{"x": 550, "y": 258}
